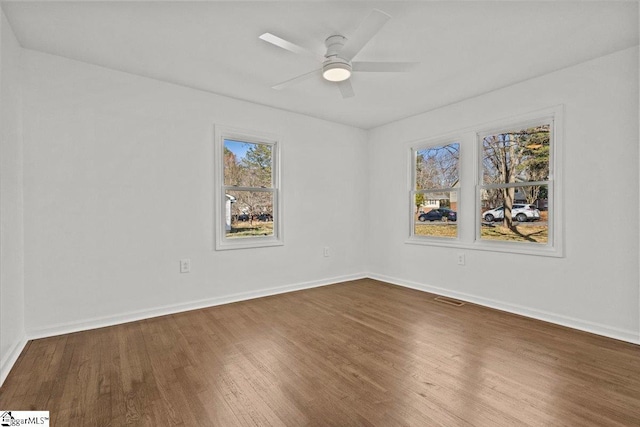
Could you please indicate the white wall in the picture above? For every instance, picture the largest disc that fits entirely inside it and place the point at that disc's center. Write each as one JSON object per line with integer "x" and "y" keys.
{"x": 12, "y": 335}
{"x": 119, "y": 186}
{"x": 595, "y": 287}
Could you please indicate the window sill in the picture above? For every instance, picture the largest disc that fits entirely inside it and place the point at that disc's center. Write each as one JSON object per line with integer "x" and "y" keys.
{"x": 248, "y": 243}
{"x": 502, "y": 247}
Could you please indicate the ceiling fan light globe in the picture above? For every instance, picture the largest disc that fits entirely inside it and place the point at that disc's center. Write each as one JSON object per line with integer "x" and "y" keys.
{"x": 336, "y": 72}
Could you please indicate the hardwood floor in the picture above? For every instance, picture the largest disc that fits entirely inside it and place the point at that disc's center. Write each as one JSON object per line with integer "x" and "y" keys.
{"x": 355, "y": 353}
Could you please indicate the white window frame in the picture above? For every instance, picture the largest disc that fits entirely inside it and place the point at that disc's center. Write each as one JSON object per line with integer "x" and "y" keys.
{"x": 413, "y": 153}
{"x": 554, "y": 245}
{"x": 470, "y": 179}
{"x": 223, "y": 133}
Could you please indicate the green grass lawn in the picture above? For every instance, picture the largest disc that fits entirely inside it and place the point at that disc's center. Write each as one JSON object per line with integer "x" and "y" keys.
{"x": 246, "y": 229}
{"x": 527, "y": 233}
{"x": 449, "y": 229}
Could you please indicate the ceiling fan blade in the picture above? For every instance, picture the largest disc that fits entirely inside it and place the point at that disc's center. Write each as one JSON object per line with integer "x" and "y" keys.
{"x": 346, "y": 89}
{"x": 291, "y": 47}
{"x": 383, "y": 67}
{"x": 365, "y": 32}
{"x": 295, "y": 80}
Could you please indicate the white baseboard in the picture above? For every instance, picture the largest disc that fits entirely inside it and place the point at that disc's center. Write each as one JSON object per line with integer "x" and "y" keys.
{"x": 11, "y": 358}
{"x": 83, "y": 325}
{"x": 570, "y": 322}
{"x": 101, "y": 322}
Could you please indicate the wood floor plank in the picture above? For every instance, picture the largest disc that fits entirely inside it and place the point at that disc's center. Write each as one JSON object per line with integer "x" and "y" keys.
{"x": 360, "y": 353}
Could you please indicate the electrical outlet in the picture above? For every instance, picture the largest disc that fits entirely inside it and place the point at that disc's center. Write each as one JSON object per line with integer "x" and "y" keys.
{"x": 461, "y": 259}
{"x": 185, "y": 265}
{"x": 326, "y": 251}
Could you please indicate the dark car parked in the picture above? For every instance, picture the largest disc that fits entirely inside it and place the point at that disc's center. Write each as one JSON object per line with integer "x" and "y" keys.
{"x": 438, "y": 215}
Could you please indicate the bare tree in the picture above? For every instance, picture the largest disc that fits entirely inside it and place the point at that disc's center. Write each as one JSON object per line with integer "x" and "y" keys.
{"x": 437, "y": 167}
{"x": 519, "y": 156}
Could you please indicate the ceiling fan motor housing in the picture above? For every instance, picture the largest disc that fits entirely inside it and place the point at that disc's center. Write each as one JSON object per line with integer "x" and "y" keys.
{"x": 334, "y": 68}
{"x": 334, "y": 45}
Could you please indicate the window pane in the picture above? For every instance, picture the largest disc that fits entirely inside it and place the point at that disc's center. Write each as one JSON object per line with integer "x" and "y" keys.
{"x": 247, "y": 164}
{"x": 436, "y": 214}
{"x": 437, "y": 167}
{"x": 529, "y": 214}
{"x": 249, "y": 213}
{"x": 516, "y": 156}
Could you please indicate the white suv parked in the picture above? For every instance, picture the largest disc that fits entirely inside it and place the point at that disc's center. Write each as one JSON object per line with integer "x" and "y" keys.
{"x": 519, "y": 212}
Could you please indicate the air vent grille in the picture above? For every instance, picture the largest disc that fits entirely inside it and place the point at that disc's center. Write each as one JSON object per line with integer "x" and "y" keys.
{"x": 449, "y": 301}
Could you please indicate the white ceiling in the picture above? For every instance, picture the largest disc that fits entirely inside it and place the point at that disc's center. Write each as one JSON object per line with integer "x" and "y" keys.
{"x": 465, "y": 48}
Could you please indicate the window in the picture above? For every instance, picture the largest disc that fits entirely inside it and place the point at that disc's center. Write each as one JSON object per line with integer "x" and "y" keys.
{"x": 247, "y": 199}
{"x": 506, "y": 198}
{"x": 515, "y": 183}
{"x": 434, "y": 192}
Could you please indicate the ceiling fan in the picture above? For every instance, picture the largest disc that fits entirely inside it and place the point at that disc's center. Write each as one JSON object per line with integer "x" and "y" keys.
{"x": 337, "y": 64}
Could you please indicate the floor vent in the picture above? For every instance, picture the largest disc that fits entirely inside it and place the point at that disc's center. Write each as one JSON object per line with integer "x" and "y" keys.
{"x": 450, "y": 301}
